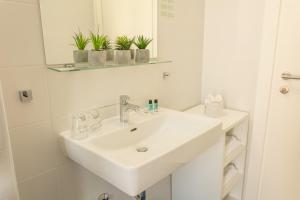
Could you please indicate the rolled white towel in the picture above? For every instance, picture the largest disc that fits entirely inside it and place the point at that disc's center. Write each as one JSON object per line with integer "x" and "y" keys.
{"x": 214, "y": 105}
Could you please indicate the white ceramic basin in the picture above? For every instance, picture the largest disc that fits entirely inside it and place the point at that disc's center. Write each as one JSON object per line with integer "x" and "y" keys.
{"x": 167, "y": 139}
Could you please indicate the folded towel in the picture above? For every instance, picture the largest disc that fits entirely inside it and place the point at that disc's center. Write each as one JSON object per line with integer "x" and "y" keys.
{"x": 231, "y": 144}
{"x": 229, "y": 172}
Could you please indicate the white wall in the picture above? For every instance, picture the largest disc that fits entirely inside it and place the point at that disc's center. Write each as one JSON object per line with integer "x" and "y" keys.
{"x": 232, "y": 48}
{"x": 8, "y": 187}
{"x": 41, "y": 169}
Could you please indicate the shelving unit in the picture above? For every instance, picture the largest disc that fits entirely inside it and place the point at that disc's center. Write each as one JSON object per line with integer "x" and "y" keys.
{"x": 85, "y": 66}
{"x": 235, "y": 128}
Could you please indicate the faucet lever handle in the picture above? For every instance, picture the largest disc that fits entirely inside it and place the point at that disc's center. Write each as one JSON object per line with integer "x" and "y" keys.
{"x": 124, "y": 99}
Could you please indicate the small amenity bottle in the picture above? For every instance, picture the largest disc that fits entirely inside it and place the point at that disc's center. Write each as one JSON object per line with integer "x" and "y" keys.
{"x": 150, "y": 106}
{"x": 155, "y": 106}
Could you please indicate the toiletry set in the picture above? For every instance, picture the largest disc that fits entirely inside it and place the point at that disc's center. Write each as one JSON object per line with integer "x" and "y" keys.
{"x": 152, "y": 106}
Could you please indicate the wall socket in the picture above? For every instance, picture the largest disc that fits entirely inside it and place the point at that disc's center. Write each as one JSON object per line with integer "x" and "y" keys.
{"x": 25, "y": 96}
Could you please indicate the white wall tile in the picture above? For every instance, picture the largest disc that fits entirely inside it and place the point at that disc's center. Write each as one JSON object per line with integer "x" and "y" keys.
{"x": 43, "y": 187}
{"x": 16, "y": 79}
{"x": 21, "y": 34}
{"x": 7, "y": 190}
{"x": 35, "y": 150}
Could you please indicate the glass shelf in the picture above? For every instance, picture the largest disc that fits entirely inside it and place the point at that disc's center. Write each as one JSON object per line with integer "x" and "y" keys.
{"x": 86, "y": 66}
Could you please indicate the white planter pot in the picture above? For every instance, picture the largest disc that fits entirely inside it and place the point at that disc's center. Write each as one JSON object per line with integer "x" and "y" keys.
{"x": 80, "y": 56}
{"x": 122, "y": 57}
{"x": 142, "y": 56}
{"x": 97, "y": 58}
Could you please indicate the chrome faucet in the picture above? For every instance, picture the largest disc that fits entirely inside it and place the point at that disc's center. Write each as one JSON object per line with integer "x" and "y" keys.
{"x": 125, "y": 107}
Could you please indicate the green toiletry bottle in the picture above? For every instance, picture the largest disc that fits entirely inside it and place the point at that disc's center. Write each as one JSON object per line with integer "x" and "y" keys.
{"x": 150, "y": 106}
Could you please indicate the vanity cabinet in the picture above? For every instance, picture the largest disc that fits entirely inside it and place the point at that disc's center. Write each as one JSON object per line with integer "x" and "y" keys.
{"x": 217, "y": 174}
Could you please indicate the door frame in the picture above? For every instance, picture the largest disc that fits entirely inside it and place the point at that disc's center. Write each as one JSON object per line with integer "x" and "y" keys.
{"x": 266, "y": 68}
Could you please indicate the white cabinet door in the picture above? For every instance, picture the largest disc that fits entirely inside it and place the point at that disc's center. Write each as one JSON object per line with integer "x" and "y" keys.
{"x": 281, "y": 169}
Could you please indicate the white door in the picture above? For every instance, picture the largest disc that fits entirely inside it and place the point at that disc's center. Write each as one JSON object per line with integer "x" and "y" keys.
{"x": 281, "y": 169}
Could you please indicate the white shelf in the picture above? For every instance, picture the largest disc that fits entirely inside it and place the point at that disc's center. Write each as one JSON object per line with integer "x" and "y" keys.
{"x": 85, "y": 66}
{"x": 230, "y": 118}
{"x": 231, "y": 184}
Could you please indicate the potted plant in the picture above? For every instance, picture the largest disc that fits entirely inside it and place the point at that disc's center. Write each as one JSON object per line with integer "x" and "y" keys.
{"x": 108, "y": 48}
{"x": 142, "y": 53}
{"x": 97, "y": 56}
{"x": 80, "y": 55}
{"x": 123, "y": 53}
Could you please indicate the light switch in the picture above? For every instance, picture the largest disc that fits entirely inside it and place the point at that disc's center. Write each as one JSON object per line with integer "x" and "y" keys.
{"x": 25, "y": 96}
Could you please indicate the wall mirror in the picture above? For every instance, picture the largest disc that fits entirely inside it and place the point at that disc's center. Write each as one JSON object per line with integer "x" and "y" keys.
{"x": 61, "y": 18}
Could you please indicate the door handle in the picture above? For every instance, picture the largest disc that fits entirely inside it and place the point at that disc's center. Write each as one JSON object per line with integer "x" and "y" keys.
{"x": 289, "y": 76}
{"x": 284, "y": 90}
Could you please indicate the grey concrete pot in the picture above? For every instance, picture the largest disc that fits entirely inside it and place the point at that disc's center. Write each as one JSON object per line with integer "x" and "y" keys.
{"x": 80, "y": 56}
{"x": 110, "y": 55}
{"x": 123, "y": 57}
{"x": 97, "y": 58}
{"x": 142, "y": 56}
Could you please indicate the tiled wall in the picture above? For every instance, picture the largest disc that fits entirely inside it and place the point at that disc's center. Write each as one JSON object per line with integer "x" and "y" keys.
{"x": 43, "y": 173}
{"x": 8, "y": 186}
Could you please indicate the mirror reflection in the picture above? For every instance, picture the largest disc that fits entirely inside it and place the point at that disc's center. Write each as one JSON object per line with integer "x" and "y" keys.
{"x": 62, "y": 19}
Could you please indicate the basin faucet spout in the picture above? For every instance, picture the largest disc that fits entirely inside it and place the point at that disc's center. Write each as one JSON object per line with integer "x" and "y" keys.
{"x": 125, "y": 107}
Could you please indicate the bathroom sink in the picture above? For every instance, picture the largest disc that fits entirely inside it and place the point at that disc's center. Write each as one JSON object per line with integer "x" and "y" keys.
{"x": 135, "y": 156}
